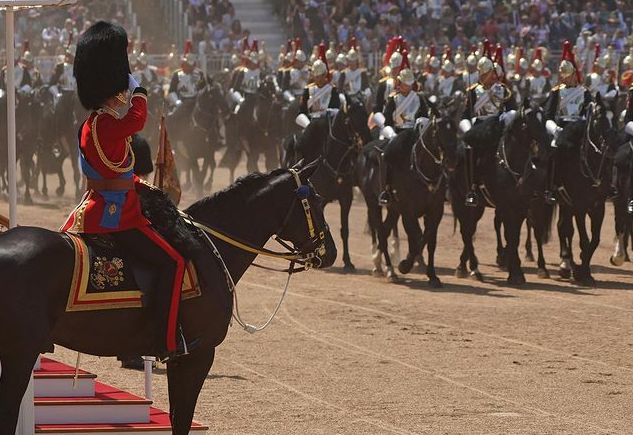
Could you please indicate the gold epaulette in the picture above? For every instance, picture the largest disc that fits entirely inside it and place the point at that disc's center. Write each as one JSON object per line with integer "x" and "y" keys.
{"x": 393, "y": 94}
{"x": 472, "y": 87}
{"x": 559, "y": 87}
{"x": 384, "y": 79}
{"x": 311, "y": 85}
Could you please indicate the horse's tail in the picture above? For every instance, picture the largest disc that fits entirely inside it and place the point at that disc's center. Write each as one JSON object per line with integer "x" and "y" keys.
{"x": 549, "y": 214}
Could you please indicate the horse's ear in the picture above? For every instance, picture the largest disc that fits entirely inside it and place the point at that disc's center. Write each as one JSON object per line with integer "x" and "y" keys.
{"x": 306, "y": 172}
{"x": 598, "y": 98}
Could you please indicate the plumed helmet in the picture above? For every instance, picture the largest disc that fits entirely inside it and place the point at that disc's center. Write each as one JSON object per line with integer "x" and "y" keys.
{"x": 627, "y": 78}
{"x": 341, "y": 60}
{"x": 419, "y": 61}
{"x": 253, "y": 56}
{"x": 471, "y": 60}
{"x": 319, "y": 68}
{"x": 352, "y": 56}
{"x": 484, "y": 65}
{"x": 289, "y": 57}
{"x": 434, "y": 62}
{"x": 459, "y": 58}
{"x": 101, "y": 65}
{"x": 566, "y": 69}
{"x": 628, "y": 60}
{"x": 330, "y": 55}
{"x": 395, "y": 61}
{"x": 188, "y": 57}
{"x": 406, "y": 76}
{"x": 537, "y": 65}
{"x": 448, "y": 66}
{"x": 523, "y": 63}
{"x": 27, "y": 57}
{"x": 568, "y": 63}
{"x": 143, "y": 59}
{"x": 133, "y": 58}
{"x": 235, "y": 60}
{"x": 511, "y": 59}
{"x": 300, "y": 56}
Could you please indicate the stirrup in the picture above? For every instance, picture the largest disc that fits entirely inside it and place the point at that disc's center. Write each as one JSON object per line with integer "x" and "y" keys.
{"x": 550, "y": 198}
{"x": 385, "y": 198}
{"x": 629, "y": 207}
{"x": 183, "y": 348}
{"x": 613, "y": 193}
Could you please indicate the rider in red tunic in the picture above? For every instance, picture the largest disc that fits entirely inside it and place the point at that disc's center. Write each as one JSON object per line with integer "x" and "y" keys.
{"x": 111, "y": 204}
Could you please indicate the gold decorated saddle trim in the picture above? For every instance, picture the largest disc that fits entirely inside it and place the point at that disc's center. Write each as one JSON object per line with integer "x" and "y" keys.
{"x": 106, "y": 272}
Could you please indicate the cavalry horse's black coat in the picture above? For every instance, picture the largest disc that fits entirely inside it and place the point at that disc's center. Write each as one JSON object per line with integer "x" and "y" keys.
{"x": 509, "y": 182}
{"x": 337, "y": 140}
{"x": 36, "y": 268}
{"x": 419, "y": 180}
{"x": 584, "y": 167}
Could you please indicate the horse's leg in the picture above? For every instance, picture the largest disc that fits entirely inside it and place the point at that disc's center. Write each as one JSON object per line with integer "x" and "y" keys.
{"x": 374, "y": 219}
{"x": 431, "y": 224}
{"x": 581, "y": 270}
{"x": 461, "y": 270}
{"x": 383, "y": 237}
{"x": 529, "y": 255}
{"x": 25, "y": 169}
{"x": 414, "y": 237}
{"x": 185, "y": 377}
{"x": 596, "y": 214}
{"x": 512, "y": 224}
{"x": 15, "y": 377}
{"x": 345, "y": 203}
{"x": 394, "y": 244}
{"x": 620, "y": 217}
{"x": 540, "y": 220}
{"x": 208, "y": 186}
{"x": 565, "y": 234}
{"x": 501, "y": 252}
{"x": 473, "y": 219}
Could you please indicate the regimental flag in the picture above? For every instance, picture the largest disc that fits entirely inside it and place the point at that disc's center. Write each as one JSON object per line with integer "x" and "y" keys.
{"x": 166, "y": 174}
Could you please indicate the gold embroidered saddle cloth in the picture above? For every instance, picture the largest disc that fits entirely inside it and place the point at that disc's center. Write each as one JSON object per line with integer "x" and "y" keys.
{"x": 105, "y": 279}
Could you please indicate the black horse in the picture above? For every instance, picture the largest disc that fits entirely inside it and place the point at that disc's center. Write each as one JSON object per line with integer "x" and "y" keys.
{"x": 584, "y": 166}
{"x": 193, "y": 129}
{"x": 68, "y": 116}
{"x": 36, "y": 266}
{"x": 416, "y": 160}
{"x": 508, "y": 182}
{"x": 337, "y": 139}
{"x": 623, "y": 165}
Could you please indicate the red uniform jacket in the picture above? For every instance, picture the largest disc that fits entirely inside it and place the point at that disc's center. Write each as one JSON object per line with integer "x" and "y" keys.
{"x": 113, "y": 137}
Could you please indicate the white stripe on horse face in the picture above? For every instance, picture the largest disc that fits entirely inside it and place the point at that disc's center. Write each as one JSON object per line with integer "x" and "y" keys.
{"x": 539, "y": 116}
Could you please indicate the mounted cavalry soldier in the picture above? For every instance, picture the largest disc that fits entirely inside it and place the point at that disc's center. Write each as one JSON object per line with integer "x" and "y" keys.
{"x": 62, "y": 81}
{"x": 470, "y": 76}
{"x": 23, "y": 80}
{"x": 568, "y": 102}
{"x": 245, "y": 84}
{"x": 488, "y": 102}
{"x": 392, "y": 63}
{"x": 111, "y": 204}
{"x": 320, "y": 95}
{"x": 354, "y": 80}
{"x": 449, "y": 84}
{"x": 539, "y": 85}
{"x": 144, "y": 73}
{"x": 187, "y": 81}
{"x": 518, "y": 75}
{"x": 299, "y": 73}
{"x": 405, "y": 109}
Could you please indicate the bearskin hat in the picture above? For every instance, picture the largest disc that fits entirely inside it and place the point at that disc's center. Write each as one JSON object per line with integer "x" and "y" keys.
{"x": 101, "y": 65}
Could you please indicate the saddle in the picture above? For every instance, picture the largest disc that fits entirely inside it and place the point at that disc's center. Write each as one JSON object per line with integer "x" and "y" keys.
{"x": 105, "y": 278}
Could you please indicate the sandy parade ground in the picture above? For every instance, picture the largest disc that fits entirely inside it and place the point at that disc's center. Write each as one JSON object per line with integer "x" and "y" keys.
{"x": 351, "y": 353}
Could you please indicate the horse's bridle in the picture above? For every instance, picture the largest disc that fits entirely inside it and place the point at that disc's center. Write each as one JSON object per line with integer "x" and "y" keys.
{"x": 432, "y": 184}
{"x": 585, "y": 167}
{"x": 502, "y": 156}
{"x": 308, "y": 254}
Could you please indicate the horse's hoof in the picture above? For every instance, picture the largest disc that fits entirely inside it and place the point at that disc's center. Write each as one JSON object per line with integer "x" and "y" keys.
{"x": 59, "y": 191}
{"x": 477, "y": 275}
{"x": 585, "y": 281}
{"x": 405, "y": 266}
{"x": 421, "y": 268}
{"x": 349, "y": 268}
{"x": 529, "y": 257}
{"x": 461, "y": 272}
{"x": 616, "y": 260}
{"x": 517, "y": 279}
{"x": 542, "y": 273}
{"x": 435, "y": 282}
{"x": 378, "y": 273}
{"x": 564, "y": 273}
{"x": 501, "y": 261}
{"x": 392, "y": 277}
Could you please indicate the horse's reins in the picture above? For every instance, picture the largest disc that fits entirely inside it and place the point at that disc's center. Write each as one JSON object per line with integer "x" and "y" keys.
{"x": 432, "y": 185}
{"x": 585, "y": 167}
{"x": 503, "y": 157}
{"x": 295, "y": 256}
{"x": 352, "y": 146}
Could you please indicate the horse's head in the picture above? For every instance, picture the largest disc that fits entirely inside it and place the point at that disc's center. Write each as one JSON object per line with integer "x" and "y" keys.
{"x": 211, "y": 99}
{"x": 357, "y": 118}
{"x": 528, "y": 131}
{"x": 443, "y": 129}
{"x": 600, "y": 134}
{"x": 304, "y": 223}
{"x": 267, "y": 88}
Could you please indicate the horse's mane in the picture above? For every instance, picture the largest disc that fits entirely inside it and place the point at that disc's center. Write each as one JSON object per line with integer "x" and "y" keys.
{"x": 236, "y": 191}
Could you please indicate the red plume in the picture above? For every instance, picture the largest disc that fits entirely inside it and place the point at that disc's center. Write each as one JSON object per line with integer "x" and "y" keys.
{"x": 352, "y": 43}
{"x": 432, "y": 50}
{"x": 297, "y": 44}
{"x": 596, "y": 52}
{"x": 519, "y": 54}
{"x": 405, "y": 60}
{"x": 323, "y": 57}
{"x": 26, "y": 46}
{"x": 487, "y": 49}
{"x": 188, "y": 46}
{"x": 340, "y": 48}
{"x": 255, "y": 47}
{"x": 569, "y": 55}
{"x": 538, "y": 54}
{"x": 245, "y": 46}
{"x": 391, "y": 47}
{"x": 448, "y": 53}
{"x": 499, "y": 58}
{"x": 404, "y": 45}
{"x": 144, "y": 47}
{"x": 473, "y": 49}
{"x": 289, "y": 46}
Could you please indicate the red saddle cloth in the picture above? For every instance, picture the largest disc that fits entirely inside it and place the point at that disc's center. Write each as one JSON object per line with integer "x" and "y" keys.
{"x": 104, "y": 279}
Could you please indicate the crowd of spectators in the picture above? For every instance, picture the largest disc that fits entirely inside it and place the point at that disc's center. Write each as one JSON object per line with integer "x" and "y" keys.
{"x": 214, "y": 22}
{"x": 457, "y": 23}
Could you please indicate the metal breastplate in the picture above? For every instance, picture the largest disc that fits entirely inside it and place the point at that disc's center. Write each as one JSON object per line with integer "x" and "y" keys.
{"x": 353, "y": 81}
{"x": 488, "y": 101}
{"x": 298, "y": 81}
{"x": 429, "y": 82}
{"x": 187, "y": 84}
{"x": 537, "y": 84}
{"x": 67, "y": 81}
{"x": 319, "y": 101}
{"x": 445, "y": 87}
{"x": 406, "y": 119}
{"x": 250, "y": 85}
{"x": 470, "y": 78}
{"x": 570, "y": 102}
{"x": 390, "y": 85}
{"x": 19, "y": 76}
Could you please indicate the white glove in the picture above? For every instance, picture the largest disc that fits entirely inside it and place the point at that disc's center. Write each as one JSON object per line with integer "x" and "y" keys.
{"x": 508, "y": 117}
{"x": 367, "y": 93}
{"x": 553, "y": 144}
{"x": 629, "y": 128}
{"x": 288, "y": 96}
{"x": 388, "y": 132}
{"x": 552, "y": 128}
{"x": 379, "y": 119}
{"x": 302, "y": 120}
{"x": 465, "y": 125}
{"x": 611, "y": 94}
{"x": 54, "y": 90}
{"x": 132, "y": 83}
{"x": 25, "y": 89}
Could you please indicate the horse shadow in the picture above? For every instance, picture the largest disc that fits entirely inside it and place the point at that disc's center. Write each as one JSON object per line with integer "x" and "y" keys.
{"x": 470, "y": 289}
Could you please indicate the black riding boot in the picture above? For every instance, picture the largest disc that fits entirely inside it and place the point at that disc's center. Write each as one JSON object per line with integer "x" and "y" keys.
{"x": 550, "y": 195}
{"x": 613, "y": 192}
{"x": 386, "y": 196}
{"x": 472, "y": 199}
